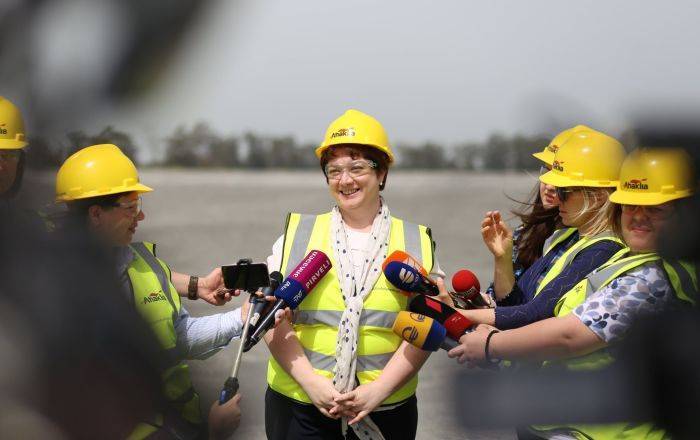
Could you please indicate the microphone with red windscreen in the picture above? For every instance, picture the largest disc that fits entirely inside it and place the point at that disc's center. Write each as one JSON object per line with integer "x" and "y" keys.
{"x": 454, "y": 322}
{"x": 467, "y": 291}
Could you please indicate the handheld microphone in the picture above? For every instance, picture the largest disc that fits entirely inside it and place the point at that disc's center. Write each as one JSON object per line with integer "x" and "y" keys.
{"x": 422, "y": 332}
{"x": 407, "y": 278}
{"x": 466, "y": 286}
{"x": 406, "y": 258}
{"x": 453, "y": 321}
{"x": 259, "y": 304}
{"x": 302, "y": 280}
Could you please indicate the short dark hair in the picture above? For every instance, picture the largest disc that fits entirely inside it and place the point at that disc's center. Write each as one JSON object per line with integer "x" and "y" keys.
{"x": 358, "y": 151}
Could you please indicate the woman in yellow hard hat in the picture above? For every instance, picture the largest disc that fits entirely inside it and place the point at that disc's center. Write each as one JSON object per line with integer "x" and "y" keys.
{"x": 598, "y": 312}
{"x": 102, "y": 191}
{"x": 585, "y": 171}
{"x": 515, "y": 251}
{"x": 340, "y": 358}
{"x": 12, "y": 143}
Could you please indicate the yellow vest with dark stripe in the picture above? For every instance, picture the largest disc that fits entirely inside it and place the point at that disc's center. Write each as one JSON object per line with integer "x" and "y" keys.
{"x": 317, "y": 317}
{"x": 561, "y": 263}
{"x": 158, "y": 303}
{"x": 620, "y": 264}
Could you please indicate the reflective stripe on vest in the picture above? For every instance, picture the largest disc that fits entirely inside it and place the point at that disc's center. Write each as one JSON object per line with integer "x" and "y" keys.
{"x": 158, "y": 303}
{"x": 557, "y": 237}
{"x": 316, "y": 319}
{"x": 683, "y": 278}
{"x": 570, "y": 254}
{"x": 619, "y": 264}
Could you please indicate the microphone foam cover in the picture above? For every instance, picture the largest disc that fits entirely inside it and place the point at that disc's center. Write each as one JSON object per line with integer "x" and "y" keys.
{"x": 406, "y": 258}
{"x": 402, "y": 276}
{"x": 305, "y": 276}
{"x": 464, "y": 280}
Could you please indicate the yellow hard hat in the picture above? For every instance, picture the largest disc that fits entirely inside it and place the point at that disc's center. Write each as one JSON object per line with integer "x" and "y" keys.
{"x": 655, "y": 176}
{"x": 355, "y": 127}
{"x": 12, "y": 135}
{"x": 95, "y": 171}
{"x": 587, "y": 158}
{"x": 547, "y": 155}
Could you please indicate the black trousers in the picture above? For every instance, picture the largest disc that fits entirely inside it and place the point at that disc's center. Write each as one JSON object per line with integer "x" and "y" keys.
{"x": 287, "y": 419}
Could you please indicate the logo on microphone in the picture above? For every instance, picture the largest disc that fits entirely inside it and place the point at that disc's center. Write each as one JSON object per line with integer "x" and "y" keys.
{"x": 409, "y": 334}
{"x": 407, "y": 276}
{"x": 417, "y": 317}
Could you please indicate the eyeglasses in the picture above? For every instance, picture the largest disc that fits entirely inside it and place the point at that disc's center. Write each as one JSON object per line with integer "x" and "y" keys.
{"x": 653, "y": 212}
{"x": 563, "y": 193}
{"x": 356, "y": 168}
{"x": 9, "y": 155}
{"x": 131, "y": 208}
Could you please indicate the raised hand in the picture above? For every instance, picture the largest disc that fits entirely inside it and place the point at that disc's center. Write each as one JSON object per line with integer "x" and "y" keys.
{"x": 496, "y": 234}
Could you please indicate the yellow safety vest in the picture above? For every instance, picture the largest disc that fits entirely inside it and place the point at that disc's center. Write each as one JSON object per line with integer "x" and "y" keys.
{"x": 620, "y": 264}
{"x": 317, "y": 317}
{"x": 158, "y": 303}
{"x": 568, "y": 256}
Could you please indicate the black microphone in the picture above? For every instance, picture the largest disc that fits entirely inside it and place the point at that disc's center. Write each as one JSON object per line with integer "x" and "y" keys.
{"x": 292, "y": 292}
{"x": 259, "y": 304}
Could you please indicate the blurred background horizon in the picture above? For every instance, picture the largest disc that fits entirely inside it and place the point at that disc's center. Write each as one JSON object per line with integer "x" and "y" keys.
{"x": 445, "y": 76}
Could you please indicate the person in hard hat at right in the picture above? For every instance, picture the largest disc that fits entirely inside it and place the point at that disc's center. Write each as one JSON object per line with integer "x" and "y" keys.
{"x": 585, "y": 171}
{"x": 101, "y": 189}
{"x": 340, "y": 358}
{"x": 12, "y": 143}
{"x": 595, "y": 315}
{"x": 515, "y": 251}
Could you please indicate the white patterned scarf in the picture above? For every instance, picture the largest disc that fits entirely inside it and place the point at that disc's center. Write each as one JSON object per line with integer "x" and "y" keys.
{"x": 354, "y": 293}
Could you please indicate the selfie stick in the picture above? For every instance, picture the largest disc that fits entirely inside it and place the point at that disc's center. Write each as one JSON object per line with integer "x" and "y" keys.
{"x": 231, "y": 385}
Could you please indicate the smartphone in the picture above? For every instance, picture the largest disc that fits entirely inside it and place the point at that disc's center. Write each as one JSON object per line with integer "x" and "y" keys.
{"x": 246, "y": 276}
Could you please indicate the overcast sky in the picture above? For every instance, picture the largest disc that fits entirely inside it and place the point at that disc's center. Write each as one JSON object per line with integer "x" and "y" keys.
{"x": 447, "y": 71}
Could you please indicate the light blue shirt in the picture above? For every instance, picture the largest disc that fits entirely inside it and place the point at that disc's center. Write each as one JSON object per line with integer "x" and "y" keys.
{"x": 197, "y": 337}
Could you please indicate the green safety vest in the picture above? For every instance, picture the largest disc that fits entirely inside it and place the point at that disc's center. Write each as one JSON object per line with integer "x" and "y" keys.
{"x": 317, "y": 317}
{"x": 158, "y": 303}
{"x": 620, "y": 264}
{"x": 568, "y": 256}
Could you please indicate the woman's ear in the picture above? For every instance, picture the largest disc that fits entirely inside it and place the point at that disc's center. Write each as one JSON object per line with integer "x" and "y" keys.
{"x": 94, "y": 215}
{"x": 382, "y": 179}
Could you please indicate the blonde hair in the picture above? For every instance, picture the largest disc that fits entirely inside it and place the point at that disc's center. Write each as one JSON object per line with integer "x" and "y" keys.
{"x": 602, "y": 219}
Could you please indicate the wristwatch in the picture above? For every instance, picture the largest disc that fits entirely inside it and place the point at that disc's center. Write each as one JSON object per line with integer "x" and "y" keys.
{"x": 192, "y": 287}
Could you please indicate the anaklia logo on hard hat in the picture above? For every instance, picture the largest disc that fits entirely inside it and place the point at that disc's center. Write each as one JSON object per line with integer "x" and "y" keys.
{"x": 344, "y": 132}
{"x": 3, "y": 130}
{"x": 154, "y": 297}
{"x": 553, "y": 148}
{"x": 636, "y": 184}
{"x": 558, "y": 165}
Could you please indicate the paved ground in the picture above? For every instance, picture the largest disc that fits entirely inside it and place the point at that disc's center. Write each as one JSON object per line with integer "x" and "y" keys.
{"x": 204, "y": 219}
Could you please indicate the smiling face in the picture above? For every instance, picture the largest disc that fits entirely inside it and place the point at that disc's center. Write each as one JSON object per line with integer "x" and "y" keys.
{"x": 116, "y": 224}
{"x": 352, "y": 180}
{"x": 641, "y": 225}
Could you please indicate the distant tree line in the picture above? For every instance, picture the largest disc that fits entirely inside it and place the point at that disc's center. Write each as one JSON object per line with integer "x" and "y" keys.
{"x": 200, "y": 146}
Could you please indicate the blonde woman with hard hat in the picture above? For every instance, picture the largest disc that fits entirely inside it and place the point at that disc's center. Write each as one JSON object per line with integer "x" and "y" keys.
{"x": 585, "y": 171}
{"x": 515, "y": 251}
{"x": 598, "y": 312}
{"x": 12, "y": 143}
{"x": 339, "y": 363}
{"x": 101, "y": 189}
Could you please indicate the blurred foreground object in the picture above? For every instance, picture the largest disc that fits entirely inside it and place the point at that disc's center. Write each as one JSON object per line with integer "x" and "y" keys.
{"x": 74, "y": 357}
